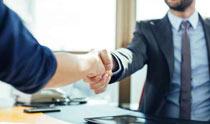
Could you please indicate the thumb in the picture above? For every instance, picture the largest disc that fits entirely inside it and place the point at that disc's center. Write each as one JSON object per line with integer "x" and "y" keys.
{"x": 106, "y": 59}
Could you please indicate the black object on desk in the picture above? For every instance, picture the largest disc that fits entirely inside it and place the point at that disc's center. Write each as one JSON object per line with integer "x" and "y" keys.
{"x": 121, "y": 119}
{"x": 131, "y": 119}
{"x": 41, "y": 109}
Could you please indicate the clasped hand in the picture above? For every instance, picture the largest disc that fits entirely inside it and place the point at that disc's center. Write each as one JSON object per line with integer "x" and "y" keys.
{"x": 100, "y": 70}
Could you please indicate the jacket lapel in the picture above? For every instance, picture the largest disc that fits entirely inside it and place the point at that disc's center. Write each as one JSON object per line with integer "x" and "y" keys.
{"x": 206, "y": 28}
{"x": 163, "y": 34}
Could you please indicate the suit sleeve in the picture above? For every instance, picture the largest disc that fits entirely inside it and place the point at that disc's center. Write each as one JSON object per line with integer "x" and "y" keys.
{"x": 132, "y": 58}
{"x": 24, "y": 63}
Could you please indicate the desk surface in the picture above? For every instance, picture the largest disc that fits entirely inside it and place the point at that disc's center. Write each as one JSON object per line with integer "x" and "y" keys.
{"x": 16, "y": 115}
{"x": 75, "y": 115}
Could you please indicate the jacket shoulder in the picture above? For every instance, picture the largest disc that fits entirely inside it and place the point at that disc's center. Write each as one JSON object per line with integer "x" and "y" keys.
{"x": 152, "y": 22}
{"x": 207, "y": 21}
{"x": 147, "y": 23}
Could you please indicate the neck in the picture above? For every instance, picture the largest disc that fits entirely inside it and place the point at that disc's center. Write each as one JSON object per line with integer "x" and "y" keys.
{"x": 186, "y": 13}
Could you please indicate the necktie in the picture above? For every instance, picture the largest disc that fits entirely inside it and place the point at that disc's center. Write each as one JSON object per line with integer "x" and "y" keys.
{"x": 185, "y": 90}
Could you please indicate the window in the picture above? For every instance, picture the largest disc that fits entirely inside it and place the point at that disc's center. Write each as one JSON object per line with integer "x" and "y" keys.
{"x": 150, "y": 9}
{"x": 75, "y": 25}
{"x": 203, "y": 7}
{"x": 23, "y": 8}
{"x": 72, "y": 25}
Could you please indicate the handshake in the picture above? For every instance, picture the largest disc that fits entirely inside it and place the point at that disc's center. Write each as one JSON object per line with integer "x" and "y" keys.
{"x": 98, "y": 67}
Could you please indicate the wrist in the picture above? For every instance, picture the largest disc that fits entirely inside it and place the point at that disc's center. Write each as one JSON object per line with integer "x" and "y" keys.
{"x": 83, "y": 65}
{"x": 86, "y": 64}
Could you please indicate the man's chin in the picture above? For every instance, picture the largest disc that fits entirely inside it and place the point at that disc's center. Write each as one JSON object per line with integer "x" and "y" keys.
{"x": 178, "y": 5}
{"x": 180, "y": 9}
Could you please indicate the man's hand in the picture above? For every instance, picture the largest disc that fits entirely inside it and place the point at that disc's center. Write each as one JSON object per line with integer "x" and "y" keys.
{"x": 99, "y": 82}
{"x": 92, "y": 65}
{"x": 72, "y": 67}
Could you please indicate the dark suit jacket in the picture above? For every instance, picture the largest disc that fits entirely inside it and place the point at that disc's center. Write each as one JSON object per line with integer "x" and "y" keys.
{"x": 152, "y": 44}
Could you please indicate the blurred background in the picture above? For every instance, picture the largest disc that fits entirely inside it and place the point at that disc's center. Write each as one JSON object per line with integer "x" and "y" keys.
{"x": 78, "y": 26}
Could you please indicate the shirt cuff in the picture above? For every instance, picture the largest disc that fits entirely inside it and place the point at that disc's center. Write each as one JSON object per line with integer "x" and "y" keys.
{"x": 117, "y": 70}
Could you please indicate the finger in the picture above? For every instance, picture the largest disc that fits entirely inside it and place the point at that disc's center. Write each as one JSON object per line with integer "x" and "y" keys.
{"x": 97, "y": 85}
{"x": 101, "y": 69}
{"x": 102, "y": 83}
{"x": 90, "y": 78}
{"x": 106, "y": 59}
{"x": 91, "y": 75}
{"x": 108, "y": 80}
{"x": 101, "y": 89}
{"x": 109, "y": 72}
{"x": 105, "y": 78}
{"x": 95, "y": 79}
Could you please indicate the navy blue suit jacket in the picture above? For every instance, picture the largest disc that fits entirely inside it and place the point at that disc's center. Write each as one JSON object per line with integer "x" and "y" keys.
{"x": 24, "y": 63}
{"x": 152, "y": 45}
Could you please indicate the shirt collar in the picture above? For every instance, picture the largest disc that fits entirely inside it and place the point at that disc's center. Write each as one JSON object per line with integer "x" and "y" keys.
{"x": 176, "y": 21}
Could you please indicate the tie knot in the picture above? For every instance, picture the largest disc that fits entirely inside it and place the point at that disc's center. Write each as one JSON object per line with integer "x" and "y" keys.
{"x": 185, "y": 25}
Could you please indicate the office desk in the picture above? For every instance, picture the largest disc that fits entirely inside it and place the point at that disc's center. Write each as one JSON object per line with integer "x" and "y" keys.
{"x": 75, "y": 115}
{"x": 15, "y": 115}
